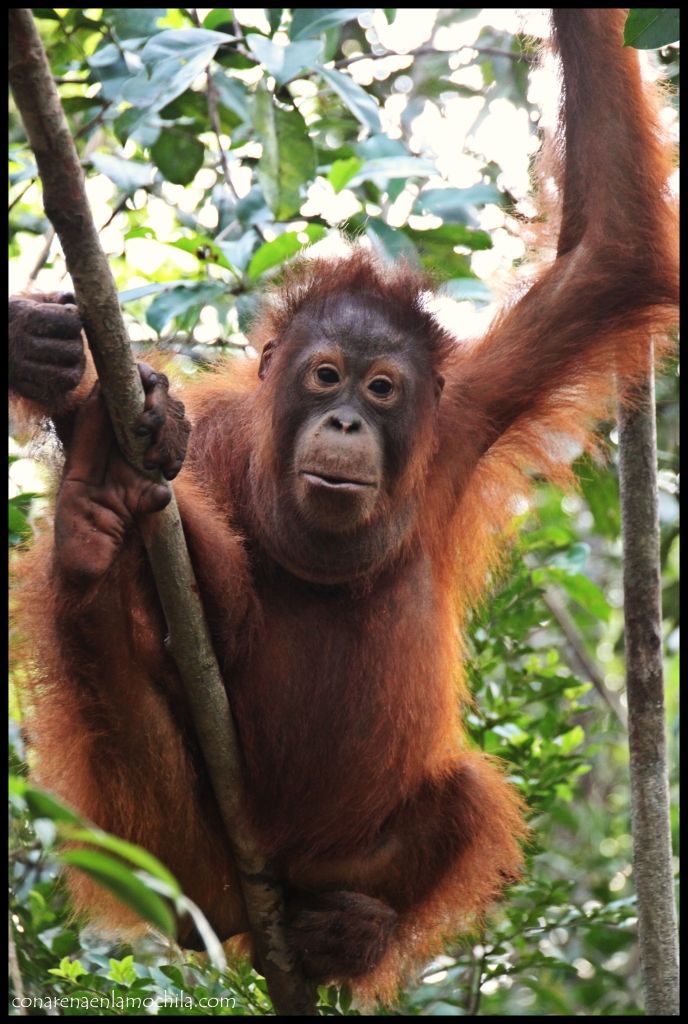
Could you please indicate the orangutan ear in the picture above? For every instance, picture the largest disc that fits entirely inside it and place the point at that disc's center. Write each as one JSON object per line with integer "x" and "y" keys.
{"x": 439, "y": 385}
{"x": 265, "y": 357}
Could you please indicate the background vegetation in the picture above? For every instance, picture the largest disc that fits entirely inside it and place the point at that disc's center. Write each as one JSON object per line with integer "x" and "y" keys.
{"x": 217, "y": 144}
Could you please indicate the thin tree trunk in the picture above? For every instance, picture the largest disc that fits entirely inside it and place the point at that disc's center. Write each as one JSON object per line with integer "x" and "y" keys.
{"x": 66, "y": 205}
{"x": 658, "y": 941}
{"x": 15, "y": 973}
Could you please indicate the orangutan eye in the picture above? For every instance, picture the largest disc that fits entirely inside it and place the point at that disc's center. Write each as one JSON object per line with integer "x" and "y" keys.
{"x": 327, "y": 374}
{"x": 381, "y": 386}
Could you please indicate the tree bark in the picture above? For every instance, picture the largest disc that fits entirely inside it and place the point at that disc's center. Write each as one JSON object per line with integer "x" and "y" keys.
{"x": 66, "y": 205}
{"x": 657, "y": 935}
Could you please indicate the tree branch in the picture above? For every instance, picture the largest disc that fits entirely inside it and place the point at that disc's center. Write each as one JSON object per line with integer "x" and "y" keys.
{"x": 657, "y": 937}
{"x": 15, "y": 973}
{"x": 583, "y": 664}
{"x": 432, "y": 51}
{"x": 66, "y": 205}
{"x": 21, "y": 194}
{"x": 43, "y": 256}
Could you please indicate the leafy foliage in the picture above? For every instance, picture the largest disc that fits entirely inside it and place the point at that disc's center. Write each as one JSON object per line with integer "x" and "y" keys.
{"x": 255, "y": 117}
{"x": 214, "y": 152}
{"x": 648, "y": 28}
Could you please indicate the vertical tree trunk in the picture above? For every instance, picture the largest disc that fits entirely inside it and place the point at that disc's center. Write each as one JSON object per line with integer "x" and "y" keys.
{"x": 645, "y": 688}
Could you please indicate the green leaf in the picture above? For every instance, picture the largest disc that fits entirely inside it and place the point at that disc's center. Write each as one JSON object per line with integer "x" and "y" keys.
{"x": 219, "y": 16}
{"x": 135, "y": 22}
{"x": 271, "y": 254}
{"x": 187, "y": 44}
{"x": 76, "y": 104}
{"x": 127, "y": 175}
{"x": 172, "y": 972}
{"x": 583, "y": 591}
{"x": 17, "y": 522}
{"x": 450, "y": 235}
{"x": 123, "y": 884}
{"x": 110, "y": 69}
{"x": 235, "y": 61}
{"x": 178, "y": 155}
{"x": 232, "y": 94}
{"x": 307, "y": 22}
{"x": 387, "y": 168}
{"x": 239, "y": 252}
{"x": 571, "y": 739}
{"x": 24, "y": 500}
{"x": 574, "y": 558}
{"x": 274, "y": 16}
{"x": 456, "y": 205}
{"x": 288, "y": 160}
{"x": 68, "y": 969}
{"x": 143, "y": 130}
{"x": 169, "y": 79}
{"x": 43, "y": 805}
{"x": 122, "y": 971}
{"x": 361, "y": 104}
{"x": 600, "y": 490}
{"x": 284, "y": 62}
{"x": 65, "y": 942}
{"x": 342, "y": 171}
{"x": 345, "y": 998}
{"x": 547, "y": 537}
{"x": 190, "y": 110}
{"x": 205, "y": 249}
{"x": 391, "y": 243}
{"x": 436, "y": 248}
{"x": 139, "y": 857}
{"x": 182, "y": 300}
{"x": 252, "y": 209}
{"x": 174, "y": 58}
{"x": 649, "y": 28}
{"x": 380, "y": 145}
{"x": 329, "y": 995}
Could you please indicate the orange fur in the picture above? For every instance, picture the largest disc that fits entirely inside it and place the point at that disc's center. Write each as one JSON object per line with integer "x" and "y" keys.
{"x": 347, "y": 698}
